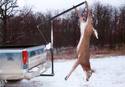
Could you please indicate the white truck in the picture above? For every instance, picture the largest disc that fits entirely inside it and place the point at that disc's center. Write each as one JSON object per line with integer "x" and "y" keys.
{"x": 26, "y": 62}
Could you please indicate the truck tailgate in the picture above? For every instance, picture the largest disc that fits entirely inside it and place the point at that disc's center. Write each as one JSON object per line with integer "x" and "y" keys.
{"x": 10, "y": 62}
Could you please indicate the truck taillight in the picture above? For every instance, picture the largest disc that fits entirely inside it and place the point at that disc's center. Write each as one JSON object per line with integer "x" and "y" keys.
{"x": 25, "y": 56}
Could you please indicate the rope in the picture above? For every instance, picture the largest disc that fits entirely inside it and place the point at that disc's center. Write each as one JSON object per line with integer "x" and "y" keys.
{"x": 42, "y": 34}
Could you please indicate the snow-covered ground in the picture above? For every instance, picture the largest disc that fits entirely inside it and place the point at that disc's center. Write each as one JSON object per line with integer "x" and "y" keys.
{"x": 109, "y": 72}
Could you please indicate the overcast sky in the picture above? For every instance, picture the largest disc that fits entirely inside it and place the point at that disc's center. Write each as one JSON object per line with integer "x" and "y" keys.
{"x": 46, "y": 5}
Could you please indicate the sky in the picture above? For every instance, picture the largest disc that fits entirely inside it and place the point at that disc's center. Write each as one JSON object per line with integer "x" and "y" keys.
{"x": 47, "y": 5}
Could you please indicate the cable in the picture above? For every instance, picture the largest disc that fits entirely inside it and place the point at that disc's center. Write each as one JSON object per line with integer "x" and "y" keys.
{"x": 42, "y": 34}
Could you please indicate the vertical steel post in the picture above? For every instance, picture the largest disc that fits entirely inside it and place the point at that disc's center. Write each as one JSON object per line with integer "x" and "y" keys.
{"x": 51, "y": 51}
{"x": 51, "y": 33}
{"x": 52, "y": 47}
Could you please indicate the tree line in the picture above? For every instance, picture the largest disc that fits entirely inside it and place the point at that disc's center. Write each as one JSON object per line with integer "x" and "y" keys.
{"x": 21, "y": 28}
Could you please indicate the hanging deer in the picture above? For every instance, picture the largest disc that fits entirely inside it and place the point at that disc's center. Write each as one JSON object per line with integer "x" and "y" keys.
{"x": 83, "y": 51}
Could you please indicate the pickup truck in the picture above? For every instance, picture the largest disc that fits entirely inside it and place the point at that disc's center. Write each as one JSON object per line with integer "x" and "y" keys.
{"x": 17, "y": 62}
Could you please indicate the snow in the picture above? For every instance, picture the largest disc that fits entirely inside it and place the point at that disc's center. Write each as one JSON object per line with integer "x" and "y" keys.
{"x": 109, "y": 72}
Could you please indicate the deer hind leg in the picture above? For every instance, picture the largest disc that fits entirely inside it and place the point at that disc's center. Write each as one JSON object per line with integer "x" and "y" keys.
{"x": 73, "y": 68}
{"x": 88, "y": 71}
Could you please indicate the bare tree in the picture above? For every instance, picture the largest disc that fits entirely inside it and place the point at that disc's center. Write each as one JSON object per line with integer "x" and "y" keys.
{"x": 7, "y": 9}
{"x": 122, "y": 24}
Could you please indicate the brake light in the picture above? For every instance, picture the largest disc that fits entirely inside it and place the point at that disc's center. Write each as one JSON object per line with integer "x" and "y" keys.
{"x": 25, "y": 56}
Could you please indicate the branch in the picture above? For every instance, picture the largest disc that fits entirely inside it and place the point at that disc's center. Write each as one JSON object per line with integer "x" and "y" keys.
{"x": 2, "y": 4}
{"x": 12, "y": 7}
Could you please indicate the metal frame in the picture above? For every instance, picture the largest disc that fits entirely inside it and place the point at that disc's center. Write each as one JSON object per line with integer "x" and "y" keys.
{"x": 51, "y": 50}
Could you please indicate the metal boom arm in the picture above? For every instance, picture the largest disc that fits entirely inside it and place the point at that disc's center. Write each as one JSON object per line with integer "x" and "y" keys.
{"x": 61, "y": 14}
{"x": 66, "y": 11}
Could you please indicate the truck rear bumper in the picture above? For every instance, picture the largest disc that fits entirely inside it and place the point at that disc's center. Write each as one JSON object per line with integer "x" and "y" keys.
{"x": 12, "y": 76}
